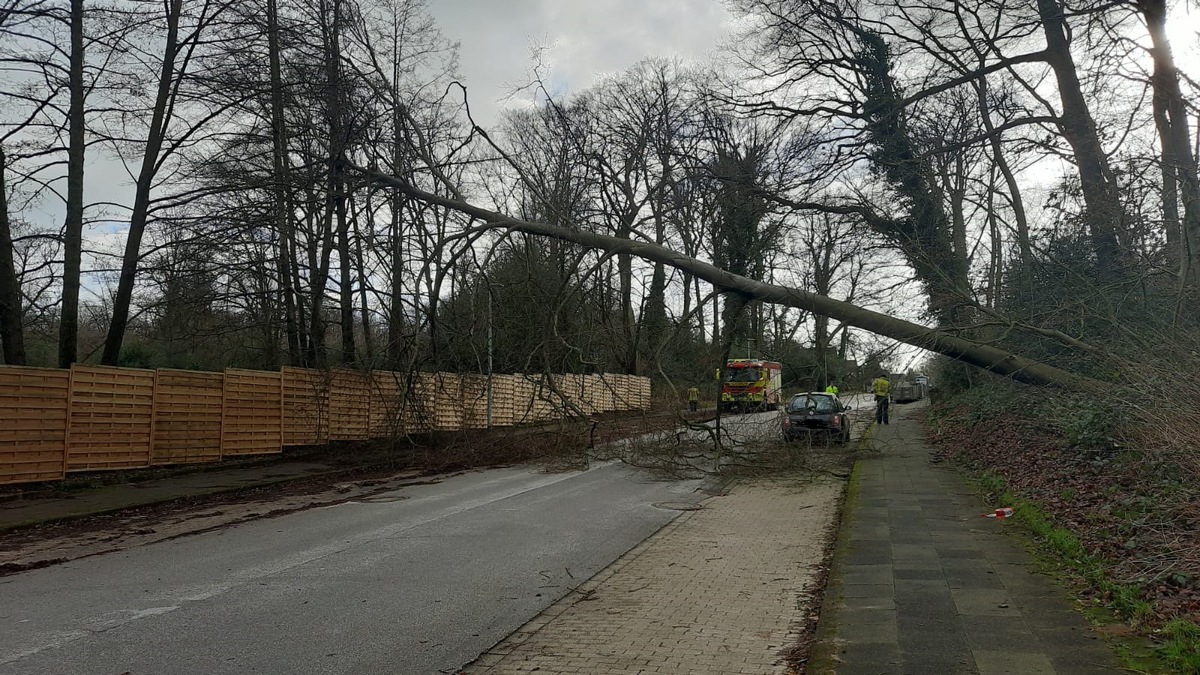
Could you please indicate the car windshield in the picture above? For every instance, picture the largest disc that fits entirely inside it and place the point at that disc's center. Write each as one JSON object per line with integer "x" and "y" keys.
{"x": 818, "y": 403}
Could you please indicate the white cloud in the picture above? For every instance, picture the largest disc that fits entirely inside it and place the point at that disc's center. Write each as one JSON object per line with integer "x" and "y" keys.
{"x": 584, "y": 39}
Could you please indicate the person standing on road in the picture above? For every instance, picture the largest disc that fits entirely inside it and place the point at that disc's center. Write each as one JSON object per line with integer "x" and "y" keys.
{"x": 693, "y": 399}
{"x": 831, "y": 389}
{"x": 882, "y": 389}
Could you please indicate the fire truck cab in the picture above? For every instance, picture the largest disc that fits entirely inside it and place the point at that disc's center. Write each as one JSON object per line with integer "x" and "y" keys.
{"x": 751, "y": 385}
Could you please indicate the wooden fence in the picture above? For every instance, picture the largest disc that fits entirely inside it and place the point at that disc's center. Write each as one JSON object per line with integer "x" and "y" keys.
{"x": 89, "y": 418}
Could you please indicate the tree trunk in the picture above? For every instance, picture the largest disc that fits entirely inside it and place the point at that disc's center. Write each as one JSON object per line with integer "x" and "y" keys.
{"x": 996, "y": 259}
{"x": 1105, "y": 215}
{"x": 1010, "y": 179}
{"x": 345, "y": 276}
{"x": 282, "y": 191}
{"x": 982, "y": 355}
{"x": 400, "y": 142}
{"x": 141, "y": 199}
{"x": 628, "y": 350}
{"x": 334, "y": 206}
{"x": 318, "y": 253}
{"x": 395, "y": 350}
{"x": 1172, "y": 225}
{"x": 1176, "y": 143}
{"x": 957, "y": 187}
{"x": 361, "y": 272}
{"x": 12, "y": 320}
{"x": 68, "y": 322}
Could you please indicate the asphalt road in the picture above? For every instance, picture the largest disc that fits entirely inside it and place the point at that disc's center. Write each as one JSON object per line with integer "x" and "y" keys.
{"x": 418, "y": 581}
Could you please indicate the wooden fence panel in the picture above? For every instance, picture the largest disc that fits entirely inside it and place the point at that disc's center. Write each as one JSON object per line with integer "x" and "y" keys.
{"x": 474, "y": 401}
{"x": 111, "y": 418}
{"x": 524, "y": 391}
{"x": 92, "y": 418}
{"x": 634, "y": 386}
{"x": 622, "y": 391}
{"x": 547, "y": 406}
{"x": 643, "y": 393}
{"x": 187, "y": 417}
{"x": 604, "y": 392}
{"x": 33, "y": 435}
{"x": 389, "y": 416}
{"x": 574, "y": 389}
{"x": 446, "y": 389}
{"x": 349, "y": 405}
{"x": 305, "y": 406}
{"x": 504, "y": 403}
{"x": 253, "y": 413}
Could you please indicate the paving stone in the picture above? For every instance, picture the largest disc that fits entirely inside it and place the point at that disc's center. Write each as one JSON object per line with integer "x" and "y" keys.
{"x": 969, "y": 553}
{"x": 972, "y": 579}
{"x": 855, "y": 668}
{"x": 868, "y": 591}
{"x": 859, "y": 654}
{"x": 871, "y": 556}
{"x": 1012, "y": 663}
{"x": 867, "y": 574}
{"x": 929, "y": 664}
{"x": 931, "y": 574}
{"x": 913, "y": 552}
{"x": 868, "y": 602}
{"x": 871, "y": 631}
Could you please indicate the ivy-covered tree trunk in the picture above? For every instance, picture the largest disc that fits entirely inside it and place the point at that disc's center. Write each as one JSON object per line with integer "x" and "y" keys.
{"x": 739, "y": 242}
{"x": 925, "y": 234}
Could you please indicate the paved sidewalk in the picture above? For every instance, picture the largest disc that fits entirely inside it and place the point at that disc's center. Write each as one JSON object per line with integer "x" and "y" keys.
{"x": 921, "y": 584}
{"x": 721, "y": 590}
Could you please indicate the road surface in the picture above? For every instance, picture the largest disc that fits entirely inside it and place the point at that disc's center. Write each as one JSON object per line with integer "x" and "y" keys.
{"x": 417, "y": 581}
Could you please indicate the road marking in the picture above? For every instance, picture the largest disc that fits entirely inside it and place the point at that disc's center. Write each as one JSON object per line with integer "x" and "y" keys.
{"x": 102, "y": 626}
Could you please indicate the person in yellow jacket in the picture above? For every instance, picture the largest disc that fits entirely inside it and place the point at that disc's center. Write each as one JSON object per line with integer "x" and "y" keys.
{"x": 693, "y": 399}
{"x": 831, "y": 389}
{"x": 883, "y": 390}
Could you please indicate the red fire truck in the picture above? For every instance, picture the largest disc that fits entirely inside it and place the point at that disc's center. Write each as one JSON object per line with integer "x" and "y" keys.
{"x": 751, "y": 384}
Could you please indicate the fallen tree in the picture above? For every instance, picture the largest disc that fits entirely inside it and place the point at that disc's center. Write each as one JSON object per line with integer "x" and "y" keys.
{"x": 974, "y": 353}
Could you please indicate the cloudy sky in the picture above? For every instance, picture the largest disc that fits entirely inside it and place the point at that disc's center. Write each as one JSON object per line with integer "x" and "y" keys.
{"x": 584, "y": 39}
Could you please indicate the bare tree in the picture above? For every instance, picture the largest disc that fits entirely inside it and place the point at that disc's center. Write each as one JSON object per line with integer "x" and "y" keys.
{"x": 178, "y": 50}
{"x": 73, "y": 226}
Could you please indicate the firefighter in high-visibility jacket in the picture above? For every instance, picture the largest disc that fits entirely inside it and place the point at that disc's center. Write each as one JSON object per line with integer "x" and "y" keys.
{"x": 693, "y": 399}
{"x": 883, "y": 390}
